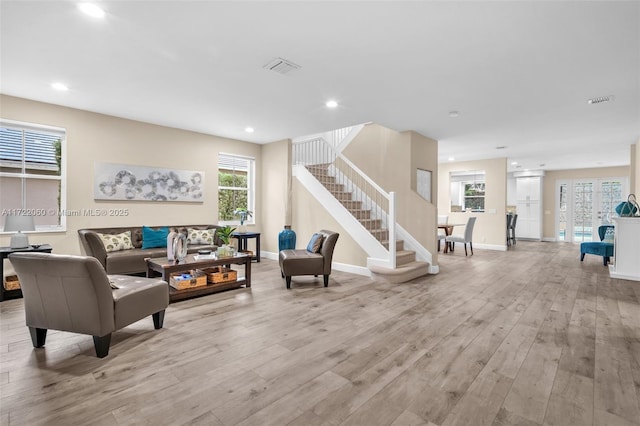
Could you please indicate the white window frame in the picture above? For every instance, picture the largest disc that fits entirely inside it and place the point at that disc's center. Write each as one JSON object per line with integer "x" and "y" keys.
{"x": 250, "y": 188}
{"x": 62, "y": 134}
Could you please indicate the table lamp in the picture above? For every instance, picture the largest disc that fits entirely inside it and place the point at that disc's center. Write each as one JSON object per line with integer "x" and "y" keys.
{"x": 19, "y": 224}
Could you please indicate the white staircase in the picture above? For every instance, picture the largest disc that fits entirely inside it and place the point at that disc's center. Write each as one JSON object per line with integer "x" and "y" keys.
{"x": 364, "y": 210}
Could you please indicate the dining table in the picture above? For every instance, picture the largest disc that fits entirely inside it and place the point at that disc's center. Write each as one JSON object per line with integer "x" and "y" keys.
{"x": 448, "y": 230}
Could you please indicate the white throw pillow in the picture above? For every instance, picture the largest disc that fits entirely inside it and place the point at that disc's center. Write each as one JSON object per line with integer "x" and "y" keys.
{"x": 200, "y": 236}
{"x": 116, "y": 242}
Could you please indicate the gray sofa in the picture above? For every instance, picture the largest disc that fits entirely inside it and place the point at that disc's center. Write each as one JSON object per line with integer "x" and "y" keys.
{"x": 131, "y": 261}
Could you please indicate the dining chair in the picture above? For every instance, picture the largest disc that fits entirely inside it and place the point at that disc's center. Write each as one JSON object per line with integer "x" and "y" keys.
{"x": 509, "y": 220}
{"x": 512, "y": 230}
{"x": 442, "y": 220}
{"x": 466, "y": 238}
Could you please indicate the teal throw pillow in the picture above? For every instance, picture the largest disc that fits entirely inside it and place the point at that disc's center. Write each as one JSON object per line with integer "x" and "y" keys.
{"x": 315, "y": 243}
{"x": 152, "y": 238}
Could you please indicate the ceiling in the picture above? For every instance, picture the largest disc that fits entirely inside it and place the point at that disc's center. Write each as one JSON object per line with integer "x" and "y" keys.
{"x": 519, "y": 73}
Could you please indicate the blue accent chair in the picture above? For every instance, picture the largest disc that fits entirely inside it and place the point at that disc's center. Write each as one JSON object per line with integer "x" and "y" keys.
{"x": 599, "y": 248}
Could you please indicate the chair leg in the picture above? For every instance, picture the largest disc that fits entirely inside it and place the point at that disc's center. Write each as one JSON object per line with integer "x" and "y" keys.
{"x": 471, "y": 246}
{"x": 438, "y": 245}
{"x": 158, "y": 319}
{"x": 326, "y": 280}
{"x": 288, "y": 279}
{"x": 101, "y": 345}
{"x": 606, "y": 260}
{"x": 38, "y": 336}
{"x": 282, "y": 273}
{"x": 582, "y": 256}
{"x": 465, "y": 249}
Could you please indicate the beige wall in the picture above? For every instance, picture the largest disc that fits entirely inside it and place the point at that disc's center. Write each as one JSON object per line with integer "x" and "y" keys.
{"x": 275, "y": 187}
{"x": 549, "y": 191}
{"x": 390, "y": 158}
{"x": 490, "y": 227}
{"x": 634, "y": 170}
{"x": 95, "y": 137}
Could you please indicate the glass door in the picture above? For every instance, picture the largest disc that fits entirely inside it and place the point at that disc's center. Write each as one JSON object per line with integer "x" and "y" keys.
{"x": 585, "y": 204}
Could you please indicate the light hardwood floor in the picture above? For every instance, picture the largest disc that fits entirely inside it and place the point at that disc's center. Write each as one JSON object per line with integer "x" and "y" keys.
{"x": 531, "y": 336}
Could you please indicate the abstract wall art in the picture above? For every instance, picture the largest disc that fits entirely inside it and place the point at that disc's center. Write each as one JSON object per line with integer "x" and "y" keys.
{"x": 141, "y": 183}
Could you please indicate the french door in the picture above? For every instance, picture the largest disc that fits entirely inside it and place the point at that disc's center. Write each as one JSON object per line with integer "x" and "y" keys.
{"x": 585, "y": 204}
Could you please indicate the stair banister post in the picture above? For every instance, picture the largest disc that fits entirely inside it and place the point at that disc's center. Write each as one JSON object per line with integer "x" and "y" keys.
{"x": 392, "y": 229}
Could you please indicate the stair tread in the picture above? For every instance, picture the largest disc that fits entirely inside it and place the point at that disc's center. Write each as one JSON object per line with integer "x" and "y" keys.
{"x": 402, "y": 269}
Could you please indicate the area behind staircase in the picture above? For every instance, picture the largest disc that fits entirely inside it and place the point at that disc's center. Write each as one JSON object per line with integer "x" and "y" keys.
{"x": 407, "y": 267}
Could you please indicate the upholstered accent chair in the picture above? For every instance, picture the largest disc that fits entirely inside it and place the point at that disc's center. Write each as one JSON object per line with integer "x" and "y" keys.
{"x": 306, "y": 262}
{"x": 467, "y": 238}
{"x": 599, "y": 248}
{"x": 74, "y": 293}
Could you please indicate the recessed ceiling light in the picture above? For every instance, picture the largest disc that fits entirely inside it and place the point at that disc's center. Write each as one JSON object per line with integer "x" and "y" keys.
{"x": 91, "y": 9}
{"x": 59, "y": 86}
{"x": 331, "y": 104}
{"x": 248, "y": 129}
{"x": 600, "y": 99}
{"x": 542, "y": 164}
{"x": 454, "y": 114}
{"x": 514, "y": 163}
{"x": 501, "y": 147}
{"x": 451, "y": 159}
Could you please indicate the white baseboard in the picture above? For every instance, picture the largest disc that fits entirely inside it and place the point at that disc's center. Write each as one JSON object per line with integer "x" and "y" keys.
{"x": 269, "y": 255}
{"x": 353, "y": 269}
{"x": 549, "y": 240}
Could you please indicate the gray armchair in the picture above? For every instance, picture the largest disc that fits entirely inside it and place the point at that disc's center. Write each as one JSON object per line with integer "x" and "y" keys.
{"x": 74, "y": 293}
{"x": 304, "y": 262}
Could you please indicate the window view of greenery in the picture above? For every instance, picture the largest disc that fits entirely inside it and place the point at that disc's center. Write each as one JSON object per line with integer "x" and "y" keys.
{"x": 32, "y": 175}
{"x": 234, "y": 186}
{"x": 474, "y": 196}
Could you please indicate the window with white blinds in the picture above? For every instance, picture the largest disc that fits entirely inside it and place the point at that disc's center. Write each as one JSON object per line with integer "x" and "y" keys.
{"x": 32, "y": 173}
{"x": 236, "y": 187}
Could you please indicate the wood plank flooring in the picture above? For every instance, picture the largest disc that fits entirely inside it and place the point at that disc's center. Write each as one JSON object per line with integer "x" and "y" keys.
{"x": 531, "y": 336}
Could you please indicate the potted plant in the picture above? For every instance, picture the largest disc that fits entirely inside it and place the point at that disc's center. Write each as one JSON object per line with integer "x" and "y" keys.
{"x": 244, "y": 214}
{"x": 224, "y": 234}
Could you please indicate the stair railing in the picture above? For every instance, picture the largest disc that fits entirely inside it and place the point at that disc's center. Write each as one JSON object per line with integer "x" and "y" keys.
{"x": 319, "y": 153}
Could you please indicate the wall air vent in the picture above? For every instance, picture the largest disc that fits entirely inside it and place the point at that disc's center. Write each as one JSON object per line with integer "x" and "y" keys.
{"x": 600, "y": 100}
{"x": 281, "y": 66}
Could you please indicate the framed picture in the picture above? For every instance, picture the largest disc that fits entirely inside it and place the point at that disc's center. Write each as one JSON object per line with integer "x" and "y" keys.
{"x": 141, "y": 183}
{"x": 424, "y": 184}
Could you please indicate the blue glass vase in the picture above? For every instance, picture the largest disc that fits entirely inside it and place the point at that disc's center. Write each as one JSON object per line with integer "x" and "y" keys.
{"x": 286, "y": 239}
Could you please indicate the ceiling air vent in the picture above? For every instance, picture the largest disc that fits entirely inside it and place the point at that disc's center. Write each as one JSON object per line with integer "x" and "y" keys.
{"x": 281, "y": 66}
{"x": 600, "y": 100}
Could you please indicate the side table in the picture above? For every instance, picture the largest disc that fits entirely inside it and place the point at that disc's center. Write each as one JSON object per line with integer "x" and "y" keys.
{"x": 243, "y": 238}
{"x": 4, "y": 253}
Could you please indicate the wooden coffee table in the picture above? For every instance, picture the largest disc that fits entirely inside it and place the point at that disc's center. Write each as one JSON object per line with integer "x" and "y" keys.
{"x": 166, "y": 267}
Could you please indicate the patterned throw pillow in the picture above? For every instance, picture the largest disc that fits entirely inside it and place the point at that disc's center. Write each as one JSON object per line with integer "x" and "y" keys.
{"x": 116, "y": 242}
{"x": 200, "y": 236}
{"x": 316, "y": 243}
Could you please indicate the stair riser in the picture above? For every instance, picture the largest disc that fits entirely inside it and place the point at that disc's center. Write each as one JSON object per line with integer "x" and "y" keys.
{"x": 380, "y": 234}
{"x": 337, "y": 187}
{"x": 351, "y": 204}
{"x": 342, "y": 196}
{"x": 371, "y": 223}
{"x": 399, "y": 245}
{"x": 361, "y": 214}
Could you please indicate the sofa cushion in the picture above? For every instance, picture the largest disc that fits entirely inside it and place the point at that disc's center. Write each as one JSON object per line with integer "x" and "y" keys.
{"x": 315, "y": 243}
{"x": 116, "y": 242}
{"x": 200, "y": 236}
{"x": 152, "y": 238}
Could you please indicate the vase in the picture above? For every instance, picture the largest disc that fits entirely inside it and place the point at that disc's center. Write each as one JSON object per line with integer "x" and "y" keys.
{"x": 242, "y": 229}
{"x": 286, "y": 239}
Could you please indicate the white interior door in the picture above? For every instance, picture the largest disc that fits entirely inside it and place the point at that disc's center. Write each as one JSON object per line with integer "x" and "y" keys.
{"x": 585, "y": 204}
